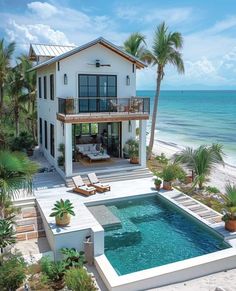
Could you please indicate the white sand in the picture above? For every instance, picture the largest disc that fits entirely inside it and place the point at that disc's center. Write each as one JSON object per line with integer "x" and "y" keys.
{"x": 224, "y": 280}
{"x": 219, "y": 176}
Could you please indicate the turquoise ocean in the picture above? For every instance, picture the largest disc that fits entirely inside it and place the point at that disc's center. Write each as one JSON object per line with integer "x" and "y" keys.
{"x": 192, "y": 118}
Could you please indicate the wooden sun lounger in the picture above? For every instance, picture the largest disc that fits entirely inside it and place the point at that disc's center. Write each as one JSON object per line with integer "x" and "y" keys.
{"x": 95, "y": 183}
{"x": 81, "y": 187}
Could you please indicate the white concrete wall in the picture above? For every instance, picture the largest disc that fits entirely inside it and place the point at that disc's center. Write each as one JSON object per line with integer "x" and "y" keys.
{"x": 72, "y": 66}
{"x": 47, "y": 110}
{"x": 79, "y": 64}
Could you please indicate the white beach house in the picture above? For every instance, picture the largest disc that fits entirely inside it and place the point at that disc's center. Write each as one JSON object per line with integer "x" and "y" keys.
{"x": 87, "y": 102}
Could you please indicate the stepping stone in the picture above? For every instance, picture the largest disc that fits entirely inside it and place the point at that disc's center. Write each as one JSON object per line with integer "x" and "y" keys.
{"x": 104, "y": 216}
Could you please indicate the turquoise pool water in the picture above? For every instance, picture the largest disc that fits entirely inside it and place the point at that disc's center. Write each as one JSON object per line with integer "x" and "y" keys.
{"x": 154, "y": 233}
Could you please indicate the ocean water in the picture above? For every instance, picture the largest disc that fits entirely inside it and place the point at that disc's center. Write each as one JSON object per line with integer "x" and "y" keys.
{"x": 155, "y": 233}
{"x": 197, "y": 117}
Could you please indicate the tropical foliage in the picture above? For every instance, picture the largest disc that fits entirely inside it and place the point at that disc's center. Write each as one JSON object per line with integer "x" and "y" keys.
{"x": 16, "y": 172}
{"x": 230, "y": 202}
{"x": 72, "y": 257}
{"x": 62, "y": 207}
{"x": 7, "y": 234}
{"x": 171, "y": 172}
{"x": 13, "y": 273}
{"x": 135, "y": 45}
{"x": 77, "y": 279}
{"x": 201, "y": 161}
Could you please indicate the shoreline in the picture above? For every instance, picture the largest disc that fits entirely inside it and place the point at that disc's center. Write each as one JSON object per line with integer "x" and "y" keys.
{"x": 220, "y": 174}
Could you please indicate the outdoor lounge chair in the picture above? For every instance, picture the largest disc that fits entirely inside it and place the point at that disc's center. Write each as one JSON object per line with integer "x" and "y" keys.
{"x": 95, "y": 183}
{"x": 82, "y": 188}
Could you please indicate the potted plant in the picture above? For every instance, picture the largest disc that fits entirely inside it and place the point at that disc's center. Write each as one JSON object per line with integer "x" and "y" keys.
{"x": 157, "y": 183}
{"x": 62, "y": 211}
{"x": 229, "y": 216}
{"x": 133, "y": 151}
{"x": 170, "y": 173}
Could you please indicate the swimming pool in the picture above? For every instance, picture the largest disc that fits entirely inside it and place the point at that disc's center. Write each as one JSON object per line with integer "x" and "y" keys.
{"x": 154, "y": 233}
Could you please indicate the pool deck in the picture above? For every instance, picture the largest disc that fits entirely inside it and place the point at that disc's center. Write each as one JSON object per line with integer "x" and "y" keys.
{"x": 171, "y": 273}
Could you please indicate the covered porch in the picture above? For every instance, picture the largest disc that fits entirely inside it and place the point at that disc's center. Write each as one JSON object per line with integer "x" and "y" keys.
{"x": 106, "y": 140}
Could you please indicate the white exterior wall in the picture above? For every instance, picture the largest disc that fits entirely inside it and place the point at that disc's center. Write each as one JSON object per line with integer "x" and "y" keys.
{"x": 47, "y": 110}
{"x": 79, "y": 64}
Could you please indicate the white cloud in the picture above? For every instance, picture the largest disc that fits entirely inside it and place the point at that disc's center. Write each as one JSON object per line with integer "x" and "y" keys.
{"x": 172, "y": 15}
{"x": 36, "y": 33}
{"x": 43, "y": 9}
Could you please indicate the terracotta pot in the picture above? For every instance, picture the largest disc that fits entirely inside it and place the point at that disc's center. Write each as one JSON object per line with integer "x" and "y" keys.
{"x": 64, "y": 220}
{"x": 158, "y": 186}
{"x": 230, "y": 225}
{"x": 167, "y": 185}
{"x": 134, "y": 160}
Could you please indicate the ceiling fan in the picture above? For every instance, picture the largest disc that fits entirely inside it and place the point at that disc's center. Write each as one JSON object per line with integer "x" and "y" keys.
{"x": 97, "y": 64}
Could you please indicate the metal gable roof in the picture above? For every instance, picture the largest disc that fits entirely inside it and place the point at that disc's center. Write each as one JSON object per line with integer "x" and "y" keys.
{"x": 100, "y": 40}
{"x": 47, "y": 50}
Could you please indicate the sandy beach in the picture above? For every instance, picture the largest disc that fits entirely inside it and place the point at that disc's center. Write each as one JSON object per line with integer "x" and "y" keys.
{"x": 219, "y": 176}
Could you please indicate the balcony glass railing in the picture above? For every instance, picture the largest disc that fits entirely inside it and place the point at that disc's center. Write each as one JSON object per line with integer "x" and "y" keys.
{"x": 99, "y": 104}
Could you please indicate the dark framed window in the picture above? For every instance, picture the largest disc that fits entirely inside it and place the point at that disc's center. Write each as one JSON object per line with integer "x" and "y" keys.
{"x": 52, "y": 140}
{"x": 45, "y": 134}
{"x": 94, "y": 91}
{"x": 40, "y": 87}
{"x": 40, "y": 130}
{"x": 97, "y": 86}
{"x": 52, "y": 87}
{"x": 45, "y": 87}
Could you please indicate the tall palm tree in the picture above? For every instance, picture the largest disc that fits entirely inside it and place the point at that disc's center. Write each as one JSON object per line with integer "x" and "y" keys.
{"x": 135, "y": 45}
{"x": 201, "y": 161}
{"x": 16, "y": 172}
{"x": 30, "y": 96}
{"x": 15, "y": 90}
{"x": 6, "y": 53}
{"x": 165, "y": 50}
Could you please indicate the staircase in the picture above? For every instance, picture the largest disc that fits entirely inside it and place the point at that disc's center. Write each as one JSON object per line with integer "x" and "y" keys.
{"x": 29, "y": 223}
{"x": 116, "y": 176}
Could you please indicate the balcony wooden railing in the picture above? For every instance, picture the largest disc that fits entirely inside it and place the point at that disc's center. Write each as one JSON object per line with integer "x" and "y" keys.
{"x": 69, "y": 106}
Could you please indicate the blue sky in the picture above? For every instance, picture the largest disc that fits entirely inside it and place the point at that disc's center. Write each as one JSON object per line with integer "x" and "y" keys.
{"x": 208, "y": 28}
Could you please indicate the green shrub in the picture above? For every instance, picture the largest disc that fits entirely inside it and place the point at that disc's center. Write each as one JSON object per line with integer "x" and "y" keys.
{"x": 212, "y": 190}
{"x": 162, "y": 159}
{"x": 53, "y": 270}
{"x": 12, "y": 273}
{"x": 172, "y": 172}
{"x": 73, "y": 258}
{"x": 77, "y": 279}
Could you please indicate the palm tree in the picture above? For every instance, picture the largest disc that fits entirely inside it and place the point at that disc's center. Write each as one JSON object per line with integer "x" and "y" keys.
{"x": 165, "y": 50}
{"x": 6, "y": 53}
{"x": 30, "y": 96}
{"x": 201, "y": 161}
{"x": 16, "y": 172}
{"x": 15, "y": 89}
{"x": 135, "y": 45}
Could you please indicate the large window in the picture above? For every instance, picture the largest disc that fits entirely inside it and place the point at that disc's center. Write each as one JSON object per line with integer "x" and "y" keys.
{"x": 52, "y": 87}
{"x": 97, "y": 86}
{"x": 45, "y": 87}
{"x": 95, "y": 90}
{"x": 40, "y": 131}
{"x": 45, "y": 134}
{"x": 52, "y": 140}
{"x": 40, "y": 87}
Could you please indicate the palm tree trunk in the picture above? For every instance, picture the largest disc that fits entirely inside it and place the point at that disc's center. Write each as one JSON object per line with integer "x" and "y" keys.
{"x": 154, "y": 114}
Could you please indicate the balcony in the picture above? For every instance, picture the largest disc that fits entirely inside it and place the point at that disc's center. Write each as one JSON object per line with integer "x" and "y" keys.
{"x": 102, "y": 109}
